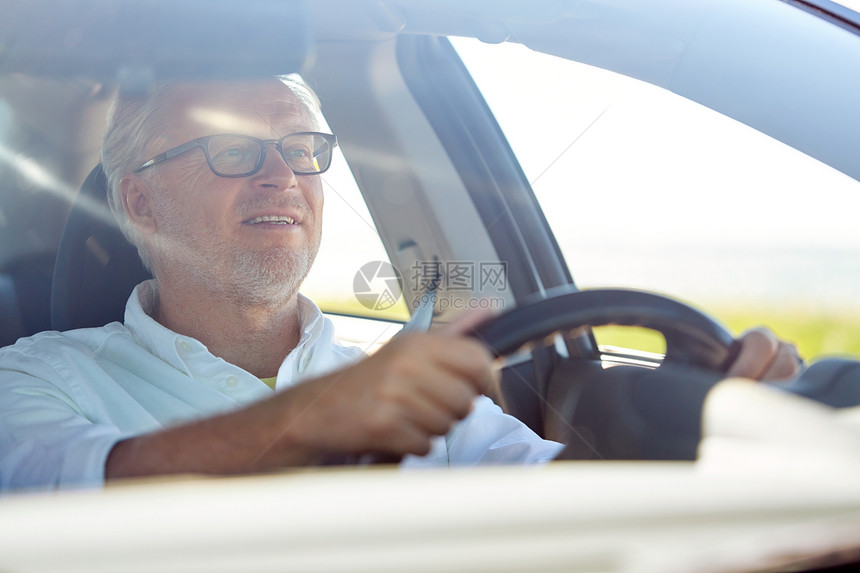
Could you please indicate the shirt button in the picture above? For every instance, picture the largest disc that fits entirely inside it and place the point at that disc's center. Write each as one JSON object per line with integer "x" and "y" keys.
{"x": 232, "y": 381}
{"x": 184, "y": 347}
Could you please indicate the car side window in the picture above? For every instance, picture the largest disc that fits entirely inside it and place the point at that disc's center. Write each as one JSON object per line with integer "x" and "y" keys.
{"x": 645, "y": 189}
{"x": 348, "y": 280}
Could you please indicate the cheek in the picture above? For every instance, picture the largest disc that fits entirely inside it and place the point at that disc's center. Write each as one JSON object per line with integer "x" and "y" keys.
{"x": 197, "y": 196}
{"x": 190, "y": 183}
{"x": 315, "y": 199}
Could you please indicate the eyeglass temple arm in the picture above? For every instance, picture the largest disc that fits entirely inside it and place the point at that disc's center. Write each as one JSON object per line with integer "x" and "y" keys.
{"x": 170, "y": 154}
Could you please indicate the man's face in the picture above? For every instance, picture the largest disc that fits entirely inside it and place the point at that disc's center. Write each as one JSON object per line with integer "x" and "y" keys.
{"x": 230, "y": 233}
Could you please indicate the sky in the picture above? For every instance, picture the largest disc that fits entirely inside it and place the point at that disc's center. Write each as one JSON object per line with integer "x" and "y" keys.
{"x": 644, "y": 188}
{"x": 608, "y": 138}
{"x": 853, "y": 4}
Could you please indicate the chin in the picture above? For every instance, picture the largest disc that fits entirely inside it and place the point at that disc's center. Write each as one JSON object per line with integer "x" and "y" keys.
{"x": 269, "y": 278}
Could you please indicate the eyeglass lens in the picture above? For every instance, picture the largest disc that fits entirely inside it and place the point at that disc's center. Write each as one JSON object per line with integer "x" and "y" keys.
{"x": 240, "y": 155}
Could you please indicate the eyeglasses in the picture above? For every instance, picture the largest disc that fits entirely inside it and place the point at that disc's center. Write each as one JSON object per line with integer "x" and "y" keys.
{"x": 229, "y": 155}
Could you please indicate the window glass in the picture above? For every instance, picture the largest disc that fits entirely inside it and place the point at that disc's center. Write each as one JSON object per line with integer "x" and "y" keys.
{"x": 853, "y": 4}
{"x": 648, "y": 190}
{"x": 349, "y": 263}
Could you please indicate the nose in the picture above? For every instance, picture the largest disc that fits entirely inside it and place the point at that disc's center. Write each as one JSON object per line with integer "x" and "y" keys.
{"x": 275, "y": 172}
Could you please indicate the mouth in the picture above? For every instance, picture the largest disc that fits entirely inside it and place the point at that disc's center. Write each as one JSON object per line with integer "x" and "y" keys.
{"x": 272, "y": 220}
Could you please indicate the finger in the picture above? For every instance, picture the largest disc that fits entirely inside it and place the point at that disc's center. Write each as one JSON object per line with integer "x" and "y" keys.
{"x": 451, "y": 395}
{"x": 409, "y": 439}
{"x": 470, "y": 360}
{"x": 421, "y": 372}
{"x": 758, "y": 349}
{"x": 455, "y": 356}
{"x": 467, "y": 321}
{"x": 430, "y": 412}
{"x": 430, "y": 419}
{"x": 786, "y": 364}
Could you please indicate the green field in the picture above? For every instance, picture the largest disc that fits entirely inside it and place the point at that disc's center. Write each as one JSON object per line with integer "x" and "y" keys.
{"x": 816, "y": 334}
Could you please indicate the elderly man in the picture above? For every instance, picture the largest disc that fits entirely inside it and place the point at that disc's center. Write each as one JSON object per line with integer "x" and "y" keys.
{"x": 218, "y": 186}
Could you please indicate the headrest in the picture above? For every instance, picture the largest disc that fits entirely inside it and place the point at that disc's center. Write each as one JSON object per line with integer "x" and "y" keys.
{"x": 96, "y": 268}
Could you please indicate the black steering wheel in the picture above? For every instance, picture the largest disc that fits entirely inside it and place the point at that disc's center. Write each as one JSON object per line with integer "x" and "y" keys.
{"x": 624, "y": 412}
{"x": 691, "y": 337}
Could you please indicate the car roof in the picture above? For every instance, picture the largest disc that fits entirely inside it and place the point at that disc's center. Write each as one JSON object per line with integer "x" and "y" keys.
{"x": 760, "y": 63}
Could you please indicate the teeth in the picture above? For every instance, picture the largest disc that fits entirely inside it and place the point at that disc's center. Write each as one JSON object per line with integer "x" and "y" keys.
{"x": 273, "y": 219}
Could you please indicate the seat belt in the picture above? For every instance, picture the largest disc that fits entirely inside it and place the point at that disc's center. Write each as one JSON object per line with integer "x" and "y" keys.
{"x": 420, "y": 321}
{"x": 422, "y": 318}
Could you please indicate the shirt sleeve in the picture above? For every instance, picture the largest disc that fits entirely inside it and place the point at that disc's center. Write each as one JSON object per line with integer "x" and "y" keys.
{"x": 46, "y": 442}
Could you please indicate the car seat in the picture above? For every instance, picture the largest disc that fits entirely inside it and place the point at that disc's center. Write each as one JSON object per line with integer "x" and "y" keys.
{"x": 25, "y": 296}
{"x": 96, "y": 267}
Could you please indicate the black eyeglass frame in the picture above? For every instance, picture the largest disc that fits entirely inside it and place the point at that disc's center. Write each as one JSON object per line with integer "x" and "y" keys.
{"x": 203, "y": 143}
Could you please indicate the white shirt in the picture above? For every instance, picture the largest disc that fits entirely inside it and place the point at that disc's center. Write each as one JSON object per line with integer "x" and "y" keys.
{"x": 67, "y": 397}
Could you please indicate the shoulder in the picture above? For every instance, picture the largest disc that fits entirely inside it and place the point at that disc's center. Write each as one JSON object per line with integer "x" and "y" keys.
{"x": 52, "y": 367}
{"x": 51, "y": 346}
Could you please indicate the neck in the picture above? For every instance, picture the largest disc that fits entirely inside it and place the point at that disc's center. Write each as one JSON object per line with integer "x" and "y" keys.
{"x": 255, "y": 337}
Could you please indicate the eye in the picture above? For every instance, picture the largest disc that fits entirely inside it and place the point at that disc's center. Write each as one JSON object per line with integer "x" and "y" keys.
{"x": 232, "y": 153}
{"x": 227, "y": 150}
{"x": 298, "y": 151}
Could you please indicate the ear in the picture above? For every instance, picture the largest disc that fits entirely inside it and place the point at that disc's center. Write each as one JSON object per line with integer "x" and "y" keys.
{"x": 137, "y": 200}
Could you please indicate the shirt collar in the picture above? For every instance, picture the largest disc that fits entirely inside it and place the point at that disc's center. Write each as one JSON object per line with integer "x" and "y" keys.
{"x": 182, "y": 352}
{"x": 149, "y": 333}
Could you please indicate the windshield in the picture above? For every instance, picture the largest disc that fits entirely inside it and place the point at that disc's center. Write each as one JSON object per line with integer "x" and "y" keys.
{"x": 853, "y": 4}
{"x": 645, "y": 189}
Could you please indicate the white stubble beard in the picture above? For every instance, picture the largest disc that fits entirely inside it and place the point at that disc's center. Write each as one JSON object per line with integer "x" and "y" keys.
{"x": 245, "y": 278}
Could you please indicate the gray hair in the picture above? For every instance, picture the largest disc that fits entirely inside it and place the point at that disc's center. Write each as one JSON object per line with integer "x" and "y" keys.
{"x": 134, "y": 121}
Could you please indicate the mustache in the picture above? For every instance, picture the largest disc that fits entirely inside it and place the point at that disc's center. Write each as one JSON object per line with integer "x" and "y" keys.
{"x": 276, "y": 203}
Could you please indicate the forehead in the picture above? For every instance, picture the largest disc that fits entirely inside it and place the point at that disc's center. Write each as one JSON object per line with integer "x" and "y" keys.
{"x": 262, "y": 108}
